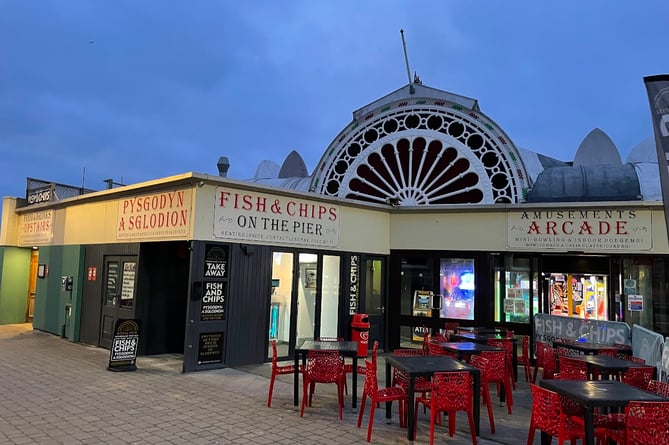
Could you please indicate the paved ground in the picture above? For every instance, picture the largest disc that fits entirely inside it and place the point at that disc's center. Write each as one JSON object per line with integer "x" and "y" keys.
{"x": 56, "y": 392}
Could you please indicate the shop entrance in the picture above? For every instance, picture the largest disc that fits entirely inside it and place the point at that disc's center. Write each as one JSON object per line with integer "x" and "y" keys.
{"x": 118, "y": 294}
{"x": 304, "y": 303}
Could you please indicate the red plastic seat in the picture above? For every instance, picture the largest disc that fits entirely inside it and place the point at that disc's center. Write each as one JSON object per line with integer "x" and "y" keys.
{"x": 435, "y": 349}
{"x": 547, "y": 416}
{"x": 323, "y": 367}
{"x": 645, "y": 423}
{"x": 451, "y": 392}
{"x": 638, "y": 377}
{"x": 499, "y": 374}
{"x": 550, "y": 366}
{"x": 421, "y": 384}
{"x": 482, "y": 364}
{"x": 539, "y": 362}
{"x": 524, "y": 358}
{"x": 507, "y": 345}
{"x": 378, "y": 395}
{"x": 277, "y": 370}
{"x": 571, "y": 369}
{"x": 659, "y": 387}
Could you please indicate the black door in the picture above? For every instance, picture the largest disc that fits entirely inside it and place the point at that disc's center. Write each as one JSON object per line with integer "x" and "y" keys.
{"x": 118, "y": 294}
{"x": 373, "y": 299}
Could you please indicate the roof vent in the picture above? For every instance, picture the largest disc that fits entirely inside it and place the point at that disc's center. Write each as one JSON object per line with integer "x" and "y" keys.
{"x": 223, "y": 166}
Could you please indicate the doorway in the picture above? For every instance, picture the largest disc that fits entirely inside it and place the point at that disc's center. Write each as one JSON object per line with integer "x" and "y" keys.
{"x": 373, "y": 299}
{"x": 118, "y": 294}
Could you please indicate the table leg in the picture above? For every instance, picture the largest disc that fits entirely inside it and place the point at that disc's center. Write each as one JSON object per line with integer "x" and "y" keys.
{"x": 411, "y": 415}
{"x": 477, "y": 401}
{"x": 354, "y": 382}
{"x": 296, "y": 380}
{"x": 388, "y": 383}
{"x": 589, "y": 421}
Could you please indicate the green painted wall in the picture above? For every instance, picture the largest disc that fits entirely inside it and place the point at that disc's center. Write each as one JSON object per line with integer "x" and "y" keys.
{"x": 14, "y": 273}
{"x": 51, "y": 300}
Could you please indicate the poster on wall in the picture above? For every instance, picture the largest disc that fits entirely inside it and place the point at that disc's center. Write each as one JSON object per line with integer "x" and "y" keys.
{"x": 216, "y": 261}
{"x": 210, "y": 348}
{"x": 213, "y": 301}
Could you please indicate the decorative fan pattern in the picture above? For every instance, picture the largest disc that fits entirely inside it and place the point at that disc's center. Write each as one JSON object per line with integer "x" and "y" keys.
{"x": 422, "y": 156}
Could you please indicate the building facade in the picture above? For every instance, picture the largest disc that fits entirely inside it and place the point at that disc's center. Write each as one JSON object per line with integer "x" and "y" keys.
{"x": 421, "y": 211}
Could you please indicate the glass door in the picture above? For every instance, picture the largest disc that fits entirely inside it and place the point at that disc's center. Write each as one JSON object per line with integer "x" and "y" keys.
{"x": 373, "y": 300}
{"x": 306, "y": 296}
{"x": 281, "y": 303}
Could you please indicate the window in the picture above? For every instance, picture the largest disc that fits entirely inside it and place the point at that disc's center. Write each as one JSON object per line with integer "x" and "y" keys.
{"x": 457, "y": 288}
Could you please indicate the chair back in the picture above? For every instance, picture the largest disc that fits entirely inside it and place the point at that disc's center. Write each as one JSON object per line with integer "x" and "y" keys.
{"x": 482, "y": 364}
{"x": 407, "y": 352}
{"x": 496, "y": 369}
{"x": 324, "y": 366}
{"x": 646, "y": 423}
{"x": 546, "y": 410}
{"x": 451, "y": 326}
{"x": 375, "y": 351}
{"x": 639, "y": 376}
{"x": 435, "y": 349}
{"x": 371, "y": 379}
{"x": 541, "y": 348}
{"x": 659, "y": 387}
{"x": 505, "y": 344}
{"x": 550, "y": 362}
{"x": 275, "y": 355}
{"x": 438, "y": 338}
{"x": 571, "y": 369}
{"x": 452, "y": 391}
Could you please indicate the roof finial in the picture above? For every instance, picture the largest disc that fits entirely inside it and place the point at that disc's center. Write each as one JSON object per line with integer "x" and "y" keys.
{"x": 412, "y": 90}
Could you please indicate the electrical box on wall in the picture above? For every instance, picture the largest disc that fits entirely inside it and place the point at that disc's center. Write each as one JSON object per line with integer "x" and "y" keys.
{"x": 66, "y": 283}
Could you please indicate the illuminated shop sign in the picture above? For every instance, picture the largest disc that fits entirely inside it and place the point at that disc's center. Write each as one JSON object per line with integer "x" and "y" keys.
{"x": 580, "y": 229}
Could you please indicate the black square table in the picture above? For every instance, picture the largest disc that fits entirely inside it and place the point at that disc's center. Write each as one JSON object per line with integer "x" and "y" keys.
{"x": 465, "y": 349}
{"x": 345, "y": 348}
{"x": 426, "y": 366}
{"x": 596, "y": 394}
{"x": 483, "y": 338}
{"x": 584, "y": 347}
{"x": 607, "y": 365}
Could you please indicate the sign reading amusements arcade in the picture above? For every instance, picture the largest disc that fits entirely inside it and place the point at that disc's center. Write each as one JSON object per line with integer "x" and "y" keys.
{"x": 272, "y": 219}
{"x": 615, "y": 229}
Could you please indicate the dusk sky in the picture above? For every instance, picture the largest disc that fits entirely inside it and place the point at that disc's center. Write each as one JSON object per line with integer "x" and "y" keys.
{"x": 142, "y": 89}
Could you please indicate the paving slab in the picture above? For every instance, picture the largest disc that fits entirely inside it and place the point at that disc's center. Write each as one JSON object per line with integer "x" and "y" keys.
{"x": 56, "y": 392}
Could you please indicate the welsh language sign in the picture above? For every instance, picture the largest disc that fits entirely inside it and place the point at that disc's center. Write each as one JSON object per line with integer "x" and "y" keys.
{"x": 123, "y": 352}
{"x": 213, "y": 301}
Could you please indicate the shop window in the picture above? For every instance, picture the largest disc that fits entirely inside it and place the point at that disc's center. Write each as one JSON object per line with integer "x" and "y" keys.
{"x": 457, "y": 288}
{"x": 416, "y": 275}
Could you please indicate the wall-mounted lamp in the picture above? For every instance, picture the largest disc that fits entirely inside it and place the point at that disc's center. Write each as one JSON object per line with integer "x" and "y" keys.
{"x": 200, "y": 184}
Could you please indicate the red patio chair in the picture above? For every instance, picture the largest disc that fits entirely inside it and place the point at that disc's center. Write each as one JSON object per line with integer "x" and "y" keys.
{"x": 378, "y": 395}
{"x": 571, "y": 369}
{"x": 547, "y": 416}
{"x": 550, "y": 365}
{"x": 645, "y": 423}
{"x": 499, "y": 374}
{"x": 659, "y": 387}
{"x": 506, "y": 345}
{"x": 639, "y": 376}
{"x": 451, "y": 392}
{"x": 277, "y": 370}
{"x": 524, "y": 358}
{"x": 323, "y": 367}
{"x": 421, "y": 385}
{"x": 539, "y": 363}
{"x": 482, "y": 364}
{"x": 451, "y": 326}
{"x": 435, "y": 349}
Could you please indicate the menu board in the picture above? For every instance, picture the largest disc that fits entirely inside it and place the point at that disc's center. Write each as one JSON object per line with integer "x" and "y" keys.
{"x": 128, "y": 283}
{"x": 213, "y": 301}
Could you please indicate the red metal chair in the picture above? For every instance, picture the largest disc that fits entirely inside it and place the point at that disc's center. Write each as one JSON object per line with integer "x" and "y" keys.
{"x": 323, "y": 367}
{"x": 524, "y": 358}
{"x": 639, "y": 376}
{"x": 378, "y": 395}
{"x": 435, "y": 349}
{"x": 659, "y": 387}
{"x": 547, "y": 416}
{"x": 507, "y": 345}
{"x": 348, "y": 367}
{"x": 645, "y": 423}
{"x": 571, "y": 369}
{"x": 482, "y": 364}
{"x": 550, "y": 366}
{"x": 539, "y": 363}
{"x": 451, "y": 392}
{"x": 499, "y": 374}
{"x": 421, "y": 385}
{"x": 277, "y": 370}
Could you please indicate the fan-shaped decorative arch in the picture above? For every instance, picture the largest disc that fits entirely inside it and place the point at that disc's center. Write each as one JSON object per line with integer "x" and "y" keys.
{"x": 420, "y": 154}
